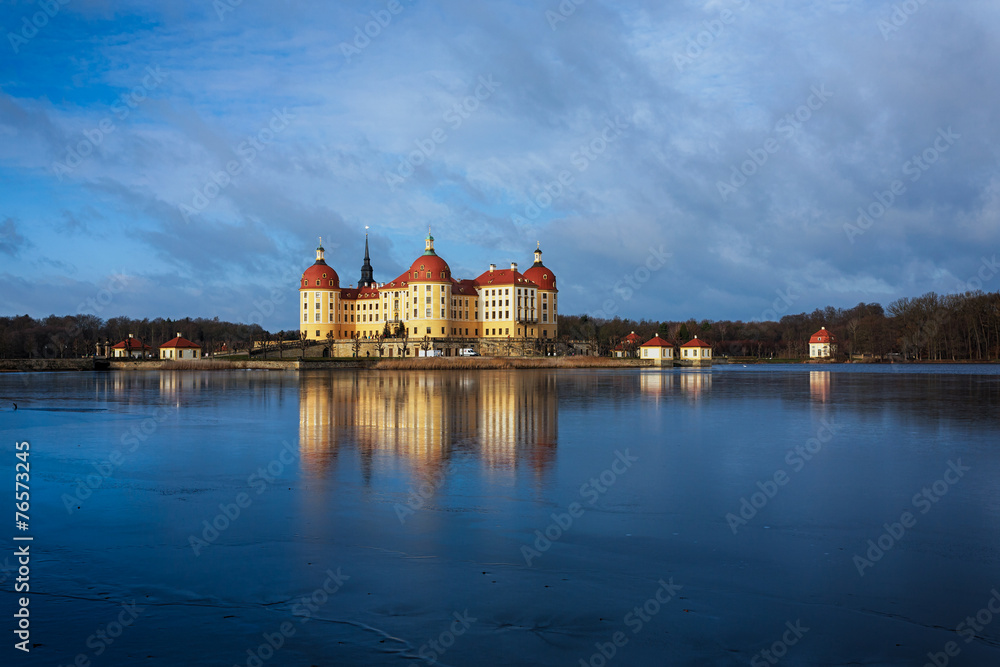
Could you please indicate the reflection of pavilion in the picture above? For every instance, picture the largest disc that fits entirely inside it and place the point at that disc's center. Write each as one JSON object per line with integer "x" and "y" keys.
{"x": 655, "y": 382}
{"x": 693, "y": 384}
{"x": 819, "y": 385}
{"x": 508, "y": 418}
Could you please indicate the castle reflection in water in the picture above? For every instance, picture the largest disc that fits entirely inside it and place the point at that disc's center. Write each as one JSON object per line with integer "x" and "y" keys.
{"x": 505, "y": 420}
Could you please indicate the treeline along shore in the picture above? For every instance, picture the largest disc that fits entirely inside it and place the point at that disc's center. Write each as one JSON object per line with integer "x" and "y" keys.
{"x": 933, "y": 327}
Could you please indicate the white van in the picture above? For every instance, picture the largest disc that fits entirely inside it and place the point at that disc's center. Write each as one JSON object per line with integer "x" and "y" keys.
{"x": 467, "y": 352}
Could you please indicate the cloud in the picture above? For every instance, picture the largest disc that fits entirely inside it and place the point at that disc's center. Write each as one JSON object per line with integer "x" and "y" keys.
{"x": 11, "y": 241}
{"x": 700, "y": 98}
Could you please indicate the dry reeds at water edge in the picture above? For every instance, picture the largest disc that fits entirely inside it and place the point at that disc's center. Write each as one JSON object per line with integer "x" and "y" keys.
{"x": 198, "y": 365}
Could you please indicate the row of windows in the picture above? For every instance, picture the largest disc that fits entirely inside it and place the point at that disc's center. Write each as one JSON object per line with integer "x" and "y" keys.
{"x": 365, "y": 317}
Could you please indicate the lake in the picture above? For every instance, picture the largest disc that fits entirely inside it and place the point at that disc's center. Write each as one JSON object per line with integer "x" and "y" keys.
{"x": 724, "y": 516}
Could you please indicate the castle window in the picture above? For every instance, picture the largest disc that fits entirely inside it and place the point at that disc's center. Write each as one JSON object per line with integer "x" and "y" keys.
{"x": 324, "y": 275}
{"x": 428, "y": 274}
{"x": 317, "y": 283}
{"x": 305, "y": 306}
{"x": 317, "y": 333}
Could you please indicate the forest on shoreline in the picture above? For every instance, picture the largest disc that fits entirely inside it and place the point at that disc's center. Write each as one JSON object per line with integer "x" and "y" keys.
{"x": 932, "y": 327}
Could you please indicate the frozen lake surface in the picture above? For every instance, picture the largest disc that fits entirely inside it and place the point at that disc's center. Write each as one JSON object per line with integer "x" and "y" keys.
{"x": 846, "y": 515}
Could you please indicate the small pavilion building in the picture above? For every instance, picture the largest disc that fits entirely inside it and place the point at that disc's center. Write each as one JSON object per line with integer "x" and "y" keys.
{"x": 696, "y": 352}
{"x": 131, "y": 347}
{"x": 822, "y": 345}
{"x": 657, "y": 350}
{"x": 631, "y": 342}
{"x": 180, "y": 348}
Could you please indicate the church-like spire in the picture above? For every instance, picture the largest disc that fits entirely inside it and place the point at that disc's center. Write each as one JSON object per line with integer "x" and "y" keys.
{"x": 538, "y": 252}
{"x": 367, "y": 277}
{"x": 429, "y": 243}
{"x": 320, "y": 251}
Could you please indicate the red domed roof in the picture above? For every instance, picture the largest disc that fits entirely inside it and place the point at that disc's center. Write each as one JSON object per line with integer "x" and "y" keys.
{"x": 823, "y": 336}
{"x": 656, "y": 341}
{"x": 541, "y": 276}
{"x": 696, "y": 342}
{"x": 429, "y": 262}
{"x": 322, "y": 272}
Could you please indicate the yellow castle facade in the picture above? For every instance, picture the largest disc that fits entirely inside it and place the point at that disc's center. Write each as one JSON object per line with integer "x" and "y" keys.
{"x": 426, "y": 301}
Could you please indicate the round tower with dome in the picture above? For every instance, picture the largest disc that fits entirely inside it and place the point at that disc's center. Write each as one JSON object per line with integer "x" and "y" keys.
{"x": 319, "y": 298}
{"x": 548, "y": 306}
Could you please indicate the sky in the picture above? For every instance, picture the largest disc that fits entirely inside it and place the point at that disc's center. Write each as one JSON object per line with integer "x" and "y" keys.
{"x": 713, "y": 159}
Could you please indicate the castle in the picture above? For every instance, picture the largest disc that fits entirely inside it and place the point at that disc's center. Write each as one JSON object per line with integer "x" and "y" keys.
{"x": 427, "y": 302}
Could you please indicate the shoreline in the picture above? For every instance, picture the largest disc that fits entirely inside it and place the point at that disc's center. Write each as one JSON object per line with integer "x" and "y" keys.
{"x": 430, "y": 363}
{"x": 410, "y": 363}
